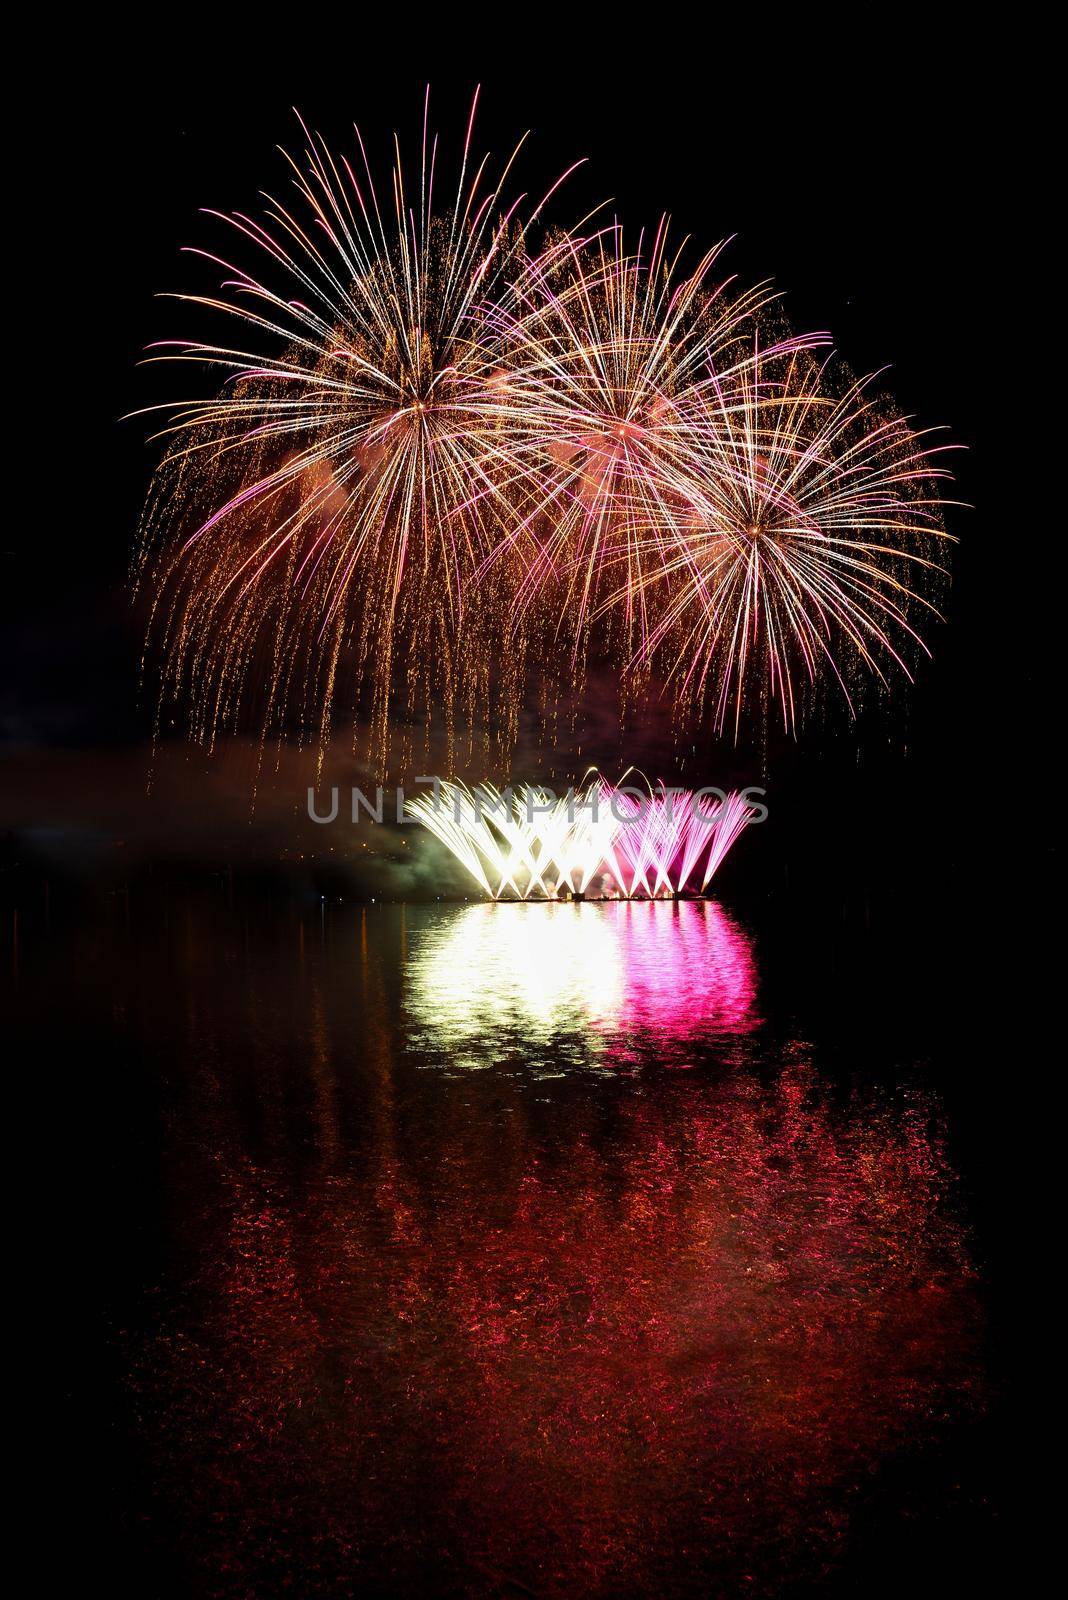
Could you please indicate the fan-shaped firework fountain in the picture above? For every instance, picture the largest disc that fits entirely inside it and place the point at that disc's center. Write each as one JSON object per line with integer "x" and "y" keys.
{"x": 528, "y": 843}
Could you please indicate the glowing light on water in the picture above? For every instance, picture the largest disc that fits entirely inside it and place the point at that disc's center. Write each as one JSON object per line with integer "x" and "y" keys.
{"x": 531, "y": 844}
{"x": 539, "y": 972}
{"x": 598, "y": 972}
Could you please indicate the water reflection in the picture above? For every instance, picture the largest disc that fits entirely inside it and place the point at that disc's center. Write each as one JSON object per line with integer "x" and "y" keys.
{"x": 473, "y": 1355}
{"x": 480, "y": 978}
{"x": 413, "y": 1332}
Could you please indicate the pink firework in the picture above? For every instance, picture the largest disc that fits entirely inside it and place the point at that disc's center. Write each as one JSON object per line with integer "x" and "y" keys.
{"x": 673, "y": 840}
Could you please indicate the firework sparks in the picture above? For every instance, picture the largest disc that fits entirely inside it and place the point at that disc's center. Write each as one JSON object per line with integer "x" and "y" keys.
{"x": 534, "y": 844}
{"x": 437, "y": 446}
{"x": 608, "y": 356}
{"x": 352, "y": 462}
{"x": 812, "y": 530}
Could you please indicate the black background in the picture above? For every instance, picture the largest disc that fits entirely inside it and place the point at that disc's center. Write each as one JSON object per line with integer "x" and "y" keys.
{"x": 883, "y": 179}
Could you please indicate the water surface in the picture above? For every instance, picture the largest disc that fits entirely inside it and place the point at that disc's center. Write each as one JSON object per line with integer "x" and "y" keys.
{"x": 517, "y": 1249}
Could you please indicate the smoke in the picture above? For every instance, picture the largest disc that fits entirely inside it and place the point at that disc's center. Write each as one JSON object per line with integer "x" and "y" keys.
{"x": 114, "y": 807}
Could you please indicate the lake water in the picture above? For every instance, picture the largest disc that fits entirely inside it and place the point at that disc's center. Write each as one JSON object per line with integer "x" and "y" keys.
{"x": 521, "y": 1250}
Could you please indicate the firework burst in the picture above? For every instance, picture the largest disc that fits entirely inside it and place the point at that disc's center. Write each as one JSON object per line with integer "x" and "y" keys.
{"x": 809, "y": 542}
{"x": 608, "y": 354}
{"x": 351, "y": 465}
{"x": 433, "y": 444}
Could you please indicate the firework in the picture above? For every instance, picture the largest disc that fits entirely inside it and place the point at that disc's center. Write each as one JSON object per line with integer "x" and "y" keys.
{"x": 335, "y": 497}
{"x": 667, "y": 838}
{"x": 446, "y": 461}
{"x": 507, "y": 840}
{"x": 532, "y": 844}
{"x": 812, "y": 531}
{"x": 608, "y": 354}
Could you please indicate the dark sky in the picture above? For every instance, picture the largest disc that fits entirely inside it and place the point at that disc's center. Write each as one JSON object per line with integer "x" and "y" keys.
{"x": 866, "y": 174}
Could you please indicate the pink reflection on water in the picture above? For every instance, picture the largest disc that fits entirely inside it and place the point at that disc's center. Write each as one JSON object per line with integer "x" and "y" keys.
{"x": 687, "y": 968}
